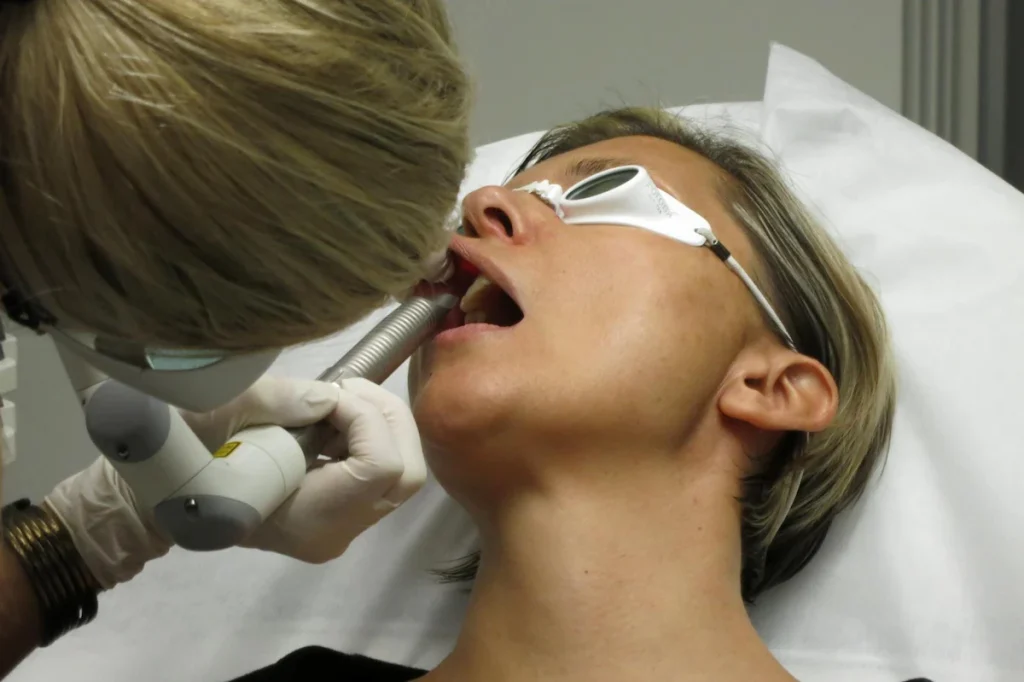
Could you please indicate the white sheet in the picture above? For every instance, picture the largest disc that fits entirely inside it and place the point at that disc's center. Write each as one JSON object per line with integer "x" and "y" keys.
{"x": 921, "y": 579}
{"x": 924, "y": 578}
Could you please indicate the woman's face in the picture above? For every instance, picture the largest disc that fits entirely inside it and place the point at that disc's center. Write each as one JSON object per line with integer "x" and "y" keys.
{"x": 625, "y": 335}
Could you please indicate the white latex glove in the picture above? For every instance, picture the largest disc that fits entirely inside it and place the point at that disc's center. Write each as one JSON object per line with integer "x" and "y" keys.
{"x": 98, "y": 509}
{"x": 383, "y": 467}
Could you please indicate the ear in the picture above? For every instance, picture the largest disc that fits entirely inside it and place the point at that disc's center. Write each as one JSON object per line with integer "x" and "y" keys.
{"x": 777, "y": 389}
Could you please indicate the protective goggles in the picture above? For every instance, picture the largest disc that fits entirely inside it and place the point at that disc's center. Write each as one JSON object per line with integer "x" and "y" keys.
{"x": 197, "y": 380}
{"x": 628, "y": 196}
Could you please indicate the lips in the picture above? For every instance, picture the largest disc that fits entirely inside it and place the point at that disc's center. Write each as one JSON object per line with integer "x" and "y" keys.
{"x": 491, "y": 298}
{"x": 469, "y": 249}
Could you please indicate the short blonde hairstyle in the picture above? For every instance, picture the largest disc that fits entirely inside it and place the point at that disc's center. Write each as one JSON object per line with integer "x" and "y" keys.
{"x": 223, "y": 173}
{"x": 833, "y": 316}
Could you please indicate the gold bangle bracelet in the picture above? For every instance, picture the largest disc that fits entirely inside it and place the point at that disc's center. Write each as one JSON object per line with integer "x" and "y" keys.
{"x": 63, "y": 584}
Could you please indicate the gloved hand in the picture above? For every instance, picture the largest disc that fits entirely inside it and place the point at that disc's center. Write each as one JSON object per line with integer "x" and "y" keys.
{"x": 382, "y": 467}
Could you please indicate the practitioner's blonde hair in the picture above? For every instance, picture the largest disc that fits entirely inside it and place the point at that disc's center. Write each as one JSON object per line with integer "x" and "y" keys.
{"x": 833, "y": 316}
{"x": 225, "y": 173}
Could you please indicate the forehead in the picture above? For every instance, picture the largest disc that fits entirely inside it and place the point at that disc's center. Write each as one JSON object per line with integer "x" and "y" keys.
{"x": 683, "y": 173}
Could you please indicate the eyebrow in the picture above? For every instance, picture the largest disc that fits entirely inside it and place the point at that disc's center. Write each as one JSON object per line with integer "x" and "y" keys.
{"x": 584, "y": 168}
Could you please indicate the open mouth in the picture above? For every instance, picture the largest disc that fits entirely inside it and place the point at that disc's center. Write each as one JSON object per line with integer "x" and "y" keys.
{"x": 487, "y": 303}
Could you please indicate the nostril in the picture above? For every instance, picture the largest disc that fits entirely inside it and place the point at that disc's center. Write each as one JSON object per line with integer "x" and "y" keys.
{"x": 502, "y": 217}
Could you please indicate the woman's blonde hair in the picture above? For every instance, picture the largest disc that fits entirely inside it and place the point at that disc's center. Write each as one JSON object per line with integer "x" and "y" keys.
{"x": 833, "y": 316}
{"x": 224, "y": 173}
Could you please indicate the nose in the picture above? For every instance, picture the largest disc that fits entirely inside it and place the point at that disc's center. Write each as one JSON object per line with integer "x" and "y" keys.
{"x": 499, "y": 213}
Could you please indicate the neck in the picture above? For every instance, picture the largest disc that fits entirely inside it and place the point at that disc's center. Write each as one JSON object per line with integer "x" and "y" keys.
{"x": 609, "y": 584}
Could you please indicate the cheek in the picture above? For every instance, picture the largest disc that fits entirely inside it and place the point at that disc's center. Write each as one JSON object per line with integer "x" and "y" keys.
{"x": 619, "y": 370}
{"x": 611, "y": 307}
{"x": 635, "y": 341}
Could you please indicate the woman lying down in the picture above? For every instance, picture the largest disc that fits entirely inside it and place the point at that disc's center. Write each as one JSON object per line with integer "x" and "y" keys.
{"x": 673, "y": 385}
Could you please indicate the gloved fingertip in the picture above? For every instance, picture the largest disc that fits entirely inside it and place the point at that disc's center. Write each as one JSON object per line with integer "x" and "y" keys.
{"x": 355, "y": 383}
{"x": 385, "y": 506}
{"x": 321, "y": 396}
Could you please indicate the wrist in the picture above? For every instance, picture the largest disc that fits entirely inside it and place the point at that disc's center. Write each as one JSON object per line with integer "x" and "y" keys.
{"x": 65, "y": 590}
{"x": 113, "y": 536}
{"x": 21, "y": 616}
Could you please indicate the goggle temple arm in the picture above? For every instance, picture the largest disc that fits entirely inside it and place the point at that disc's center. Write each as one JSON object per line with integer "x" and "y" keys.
{"x": 723, "y": 254}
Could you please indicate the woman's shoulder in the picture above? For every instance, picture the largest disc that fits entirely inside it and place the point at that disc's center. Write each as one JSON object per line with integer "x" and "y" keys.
{"x": 312, "y": 664}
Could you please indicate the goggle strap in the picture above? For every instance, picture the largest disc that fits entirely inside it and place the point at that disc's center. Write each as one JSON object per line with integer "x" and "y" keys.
{"x": 26, "y": 312}
{"x": 761, "y": 300}
{"x": 717, "y": 247}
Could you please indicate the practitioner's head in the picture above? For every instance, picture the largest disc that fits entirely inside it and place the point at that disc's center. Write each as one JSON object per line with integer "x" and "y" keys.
{"x": 631, "y": 342}
{"x": 225, "y": 174}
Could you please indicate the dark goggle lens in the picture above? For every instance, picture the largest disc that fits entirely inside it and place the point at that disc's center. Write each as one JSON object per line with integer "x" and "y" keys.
{"x": 602, "y": 183}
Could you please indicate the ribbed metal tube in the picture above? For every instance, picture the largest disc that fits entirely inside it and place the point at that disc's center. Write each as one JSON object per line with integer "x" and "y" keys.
{"x": 378, "y": 354}
{"x": 393, "y": 340}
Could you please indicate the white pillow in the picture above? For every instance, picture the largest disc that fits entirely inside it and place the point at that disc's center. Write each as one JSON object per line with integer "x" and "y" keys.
{"x": 925, "y": 576}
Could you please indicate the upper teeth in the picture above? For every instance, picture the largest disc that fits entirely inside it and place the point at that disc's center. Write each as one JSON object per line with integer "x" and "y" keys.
{"x": 474, "y": 298}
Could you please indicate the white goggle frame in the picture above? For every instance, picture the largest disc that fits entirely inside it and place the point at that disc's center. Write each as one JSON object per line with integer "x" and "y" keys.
{"x": 627, "y": 195}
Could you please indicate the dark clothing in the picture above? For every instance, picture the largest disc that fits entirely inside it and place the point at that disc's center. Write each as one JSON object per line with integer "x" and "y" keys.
{"x": 314, "y": 664}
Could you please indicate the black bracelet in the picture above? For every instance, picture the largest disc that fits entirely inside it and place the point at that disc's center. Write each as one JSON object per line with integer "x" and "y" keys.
{"x": 63, "y": 584}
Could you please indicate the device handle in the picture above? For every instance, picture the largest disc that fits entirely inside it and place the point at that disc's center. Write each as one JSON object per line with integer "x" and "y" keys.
{"x": 202, "y": 501}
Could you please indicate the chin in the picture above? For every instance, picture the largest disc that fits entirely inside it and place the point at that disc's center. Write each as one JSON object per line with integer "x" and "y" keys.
{"x": 473, "y": 438}
{"x": 458, "y": 411}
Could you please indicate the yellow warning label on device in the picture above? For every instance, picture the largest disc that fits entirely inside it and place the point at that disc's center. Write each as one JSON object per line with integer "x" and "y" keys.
{"x": 227, "y": 449}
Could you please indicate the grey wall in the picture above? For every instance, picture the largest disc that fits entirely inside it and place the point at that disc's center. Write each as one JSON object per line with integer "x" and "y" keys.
{"x": 51, "y": 435}
{"x": 541, "y": 62}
